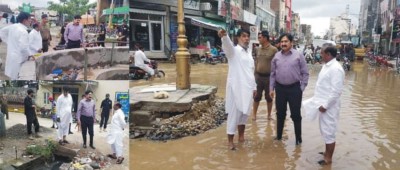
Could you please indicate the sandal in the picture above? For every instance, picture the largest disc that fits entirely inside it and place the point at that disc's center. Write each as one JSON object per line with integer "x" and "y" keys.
{"x": 65, "y": 141}
{"x": 120, "y": 160}
{"x": 111, "y": 156}
{"x": 61, "y": 143}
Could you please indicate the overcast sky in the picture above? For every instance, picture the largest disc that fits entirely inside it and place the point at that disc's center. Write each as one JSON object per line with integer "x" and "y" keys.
{"x": 317, "y": 13}
{"x": 37, "y": 3}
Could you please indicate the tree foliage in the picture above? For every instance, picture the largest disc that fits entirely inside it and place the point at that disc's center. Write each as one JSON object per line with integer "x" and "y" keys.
{"x": 71, "y": 7}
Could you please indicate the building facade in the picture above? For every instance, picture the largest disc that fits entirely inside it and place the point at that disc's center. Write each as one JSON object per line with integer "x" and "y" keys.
{"x": 153, "y": 23}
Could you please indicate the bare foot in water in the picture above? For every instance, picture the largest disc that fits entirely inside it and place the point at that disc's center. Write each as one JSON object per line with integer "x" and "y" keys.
{"x": 241, "y": 139}
{"x": 324, "y": 162}
{"x": 231, "y": 146}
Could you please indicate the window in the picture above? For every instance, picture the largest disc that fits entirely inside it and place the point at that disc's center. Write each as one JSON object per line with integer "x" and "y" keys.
{"x": 46, "y": 97}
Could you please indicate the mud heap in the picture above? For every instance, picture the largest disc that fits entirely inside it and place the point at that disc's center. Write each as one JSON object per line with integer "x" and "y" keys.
{"x": 203, "y": 116}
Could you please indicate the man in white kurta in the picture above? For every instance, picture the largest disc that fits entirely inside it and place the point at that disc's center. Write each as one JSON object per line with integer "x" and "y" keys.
{"x": 116, "y": 133}
{"x": 140, "y": 58}
{"x": 240, "y": 85}
{"x": 35, "y": 40}
{"x": 64, "y": 115}
{"x": 327, "y": 93}
{"x": 17, "y": 39}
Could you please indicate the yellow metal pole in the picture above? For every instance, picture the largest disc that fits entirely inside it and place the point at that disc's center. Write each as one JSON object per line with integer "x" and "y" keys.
{"x": 111, "y": 15}
{"x": 182, "y": 54}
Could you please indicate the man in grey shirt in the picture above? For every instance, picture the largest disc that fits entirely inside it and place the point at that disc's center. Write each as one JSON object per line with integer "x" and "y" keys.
{"x": 86, "y": 117}
{"x": 289, "y": 78}
{"x": 73, "y": 34}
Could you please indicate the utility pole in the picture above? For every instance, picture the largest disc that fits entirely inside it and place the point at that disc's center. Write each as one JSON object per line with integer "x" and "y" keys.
{"x": 228, "y": 16}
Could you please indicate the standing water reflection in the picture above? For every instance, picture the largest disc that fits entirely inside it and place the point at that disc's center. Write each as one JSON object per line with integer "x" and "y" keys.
{"x": 367, "y": 137}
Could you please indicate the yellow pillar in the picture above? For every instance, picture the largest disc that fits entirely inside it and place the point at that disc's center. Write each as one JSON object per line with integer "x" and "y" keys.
{"x": 182, "y": 54}
{"x": 111, "y": 15}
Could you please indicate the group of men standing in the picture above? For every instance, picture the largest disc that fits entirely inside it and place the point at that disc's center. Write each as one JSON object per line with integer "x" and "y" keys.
{"x": 283, "y": 75}
{"x": 86, "y": 117}
{"x": 21, "y": 44}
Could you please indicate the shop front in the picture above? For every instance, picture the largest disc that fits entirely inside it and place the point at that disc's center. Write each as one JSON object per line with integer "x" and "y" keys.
{"x": 147, "y": 29}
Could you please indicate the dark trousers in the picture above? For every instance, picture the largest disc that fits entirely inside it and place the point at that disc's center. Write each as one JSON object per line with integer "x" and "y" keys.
{"x": 104, "y": 119}
{"x": 32, "y": 119}
{"x": 291, "y": 94}
{"x": 73, "y": 44}
{"x": 87, "y": 124}
{"x": 101, "y": 43}
{"x": 45, "y": 45}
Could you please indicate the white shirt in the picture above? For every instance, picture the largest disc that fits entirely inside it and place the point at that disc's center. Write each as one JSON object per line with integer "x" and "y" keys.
{"x": 35, "y": 42}
{"x": 308, "y": 51}
{"x": 330, "y": 83}
{"x": 17, "y": 39}
{"x": 116, "y": 132}
{"x": 140, "y": 58}
{"x": 240, "y": 81}
{"x": 64, "y": 108}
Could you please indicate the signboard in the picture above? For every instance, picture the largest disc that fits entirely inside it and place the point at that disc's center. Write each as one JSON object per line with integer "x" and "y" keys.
{"x": 236, "y": 10}
{"x": 123, "y": 99}
{"x": 174, "y": 36}
{"x": 376, "y": 37}
{"x": 26, "y": 8}
{"x": 192, "y": 4}
{"x": 253, "y": 33}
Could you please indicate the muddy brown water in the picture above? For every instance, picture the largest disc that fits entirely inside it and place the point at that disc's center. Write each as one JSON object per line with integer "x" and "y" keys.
{"x": 368, "y": 136}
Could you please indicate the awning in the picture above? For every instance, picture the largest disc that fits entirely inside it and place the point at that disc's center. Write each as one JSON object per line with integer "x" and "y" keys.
{"x": 119, "y": 10}
{"x": 207, "y": 23}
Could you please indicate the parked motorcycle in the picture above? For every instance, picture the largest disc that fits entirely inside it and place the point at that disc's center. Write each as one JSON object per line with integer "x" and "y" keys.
{"x": 208, "y": 58}
{"x": 136, "y": 73}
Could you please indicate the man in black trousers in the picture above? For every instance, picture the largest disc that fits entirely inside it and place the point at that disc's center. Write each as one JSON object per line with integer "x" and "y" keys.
{"x": 105, "y": 107}
{"x": 30, "y": 114}
{"x": 289, "y": 78}
{"x": 86, "y": 117}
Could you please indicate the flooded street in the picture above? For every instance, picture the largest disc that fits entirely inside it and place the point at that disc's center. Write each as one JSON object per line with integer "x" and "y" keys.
{"x": 367, "y": 137}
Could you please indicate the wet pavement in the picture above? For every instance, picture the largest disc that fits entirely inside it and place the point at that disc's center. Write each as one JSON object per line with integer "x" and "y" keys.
{"x": 367, "y": 137}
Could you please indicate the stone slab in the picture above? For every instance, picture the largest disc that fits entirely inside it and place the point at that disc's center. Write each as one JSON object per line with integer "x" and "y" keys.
{"x": 178, "y": 100}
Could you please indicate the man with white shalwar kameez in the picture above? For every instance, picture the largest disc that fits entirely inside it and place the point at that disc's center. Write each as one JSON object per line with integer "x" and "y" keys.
{"x": 64, "y": 115}
{"x": 17, "y": 39}
{"x": 35, "y": 40}
{"x": 116, "y": 134}
{"x": 326, "y": 98}
{"x": 240, "y": 86}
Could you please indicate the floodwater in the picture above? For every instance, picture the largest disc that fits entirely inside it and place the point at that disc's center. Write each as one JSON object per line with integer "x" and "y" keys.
{"x": 368, "y": 135}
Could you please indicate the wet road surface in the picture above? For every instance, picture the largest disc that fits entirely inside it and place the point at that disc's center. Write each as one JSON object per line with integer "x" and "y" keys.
{"x": 367, "y": 137}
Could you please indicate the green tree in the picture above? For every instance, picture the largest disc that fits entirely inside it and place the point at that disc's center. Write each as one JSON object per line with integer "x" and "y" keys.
{"x": 70, "y": 7}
